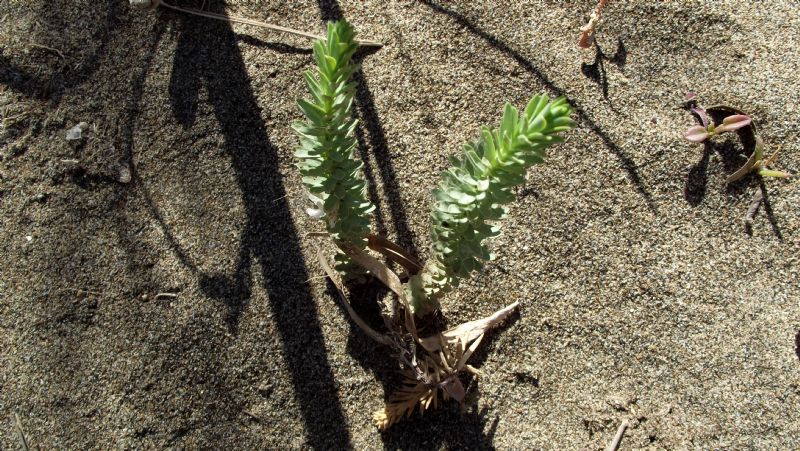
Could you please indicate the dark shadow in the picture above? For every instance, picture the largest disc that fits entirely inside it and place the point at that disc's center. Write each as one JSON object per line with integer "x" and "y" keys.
{"x": 44, "y": 80}
{"x": 372, "y": 137}
{"x": 597, "y": 70}
{"x": 207, "y": 55}
{"x": 695, "y": 190}
{"x": 797, "y": 344}
{"x": 124, "y": 141}
{"x": 330, "y": 10}
{"x": 625, "y": 161}
{"x": 371, "y": 356}
{"x": 278, "y": 47}
{"x": 445, "y": 426}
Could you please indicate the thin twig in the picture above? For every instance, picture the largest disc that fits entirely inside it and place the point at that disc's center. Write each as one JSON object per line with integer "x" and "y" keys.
{"x": 166, "y": 295}
{"x": 23, "y": 442}
{"x": 33, "y": 44}
{"x": 251, "y": 415}
{"x": 752, "y": 210}
{"x": 82, "y": 290}
{"x": 243, "y": 20}
{"x": 614, "y": 444}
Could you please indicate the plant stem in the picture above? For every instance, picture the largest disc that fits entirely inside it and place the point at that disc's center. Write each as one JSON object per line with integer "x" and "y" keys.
{"x": 614, "y": 444}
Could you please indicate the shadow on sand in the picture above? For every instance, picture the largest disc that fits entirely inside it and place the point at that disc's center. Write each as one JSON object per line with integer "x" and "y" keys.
{"x": 207, "y": 56}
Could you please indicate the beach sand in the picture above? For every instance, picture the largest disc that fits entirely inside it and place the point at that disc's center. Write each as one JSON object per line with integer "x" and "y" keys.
{"x": 158, "y": 288}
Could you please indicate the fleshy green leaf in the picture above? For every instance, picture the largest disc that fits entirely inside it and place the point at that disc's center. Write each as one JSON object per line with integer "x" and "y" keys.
{"x": 474, "y": 188}
{"x": 325, "y": 155}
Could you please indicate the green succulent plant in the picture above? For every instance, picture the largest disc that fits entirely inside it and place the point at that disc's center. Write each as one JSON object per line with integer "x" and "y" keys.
{"x": 325, "y": 155}
{"x": 471, "y": 193}
{"x": 470, "y": 197}
{"x": 473, "y": 190}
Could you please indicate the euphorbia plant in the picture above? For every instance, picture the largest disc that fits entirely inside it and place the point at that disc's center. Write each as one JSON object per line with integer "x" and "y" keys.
{"x": 470, "y": 194}
{"x": 325, "y": 157}
{"x": 474, "y": 189}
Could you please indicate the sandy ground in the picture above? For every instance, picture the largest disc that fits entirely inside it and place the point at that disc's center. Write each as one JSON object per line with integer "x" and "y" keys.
{"x": 184, "y": 308}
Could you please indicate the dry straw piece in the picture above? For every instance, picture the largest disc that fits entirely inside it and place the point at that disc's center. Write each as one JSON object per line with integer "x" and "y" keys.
{"x": 149, "y": 5}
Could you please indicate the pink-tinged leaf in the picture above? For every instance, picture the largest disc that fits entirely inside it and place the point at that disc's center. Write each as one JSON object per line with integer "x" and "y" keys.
{"x": 734, "y": 122}
{"x": 696, "y": 134}
{"x": 701, "y": 113}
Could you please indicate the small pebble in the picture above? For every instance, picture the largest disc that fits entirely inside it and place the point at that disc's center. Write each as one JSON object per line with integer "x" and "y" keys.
{"x": 144, "y": 4}
{"x": 124, "y": 174}
{"x": 76, "y": 132}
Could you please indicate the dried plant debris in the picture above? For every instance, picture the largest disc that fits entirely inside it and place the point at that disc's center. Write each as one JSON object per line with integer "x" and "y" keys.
{"x": 431, "y": 365}
{"x": 436, "y": 374}
{"x": 588, "y": 31}
{"x": 148, "y": 5}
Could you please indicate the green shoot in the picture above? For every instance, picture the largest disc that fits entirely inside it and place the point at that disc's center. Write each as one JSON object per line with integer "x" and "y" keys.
{"x": 325, "y": 155}
{"x": 474, "y": 189}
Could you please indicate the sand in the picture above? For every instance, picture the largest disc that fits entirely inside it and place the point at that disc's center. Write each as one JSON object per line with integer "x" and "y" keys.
{"x": 184, "y": 308}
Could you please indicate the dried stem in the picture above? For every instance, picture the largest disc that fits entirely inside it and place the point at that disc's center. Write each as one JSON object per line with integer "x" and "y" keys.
{"x": 23, "y": 442}
{"x": 395, "y": 253}
{"x": 431, "y": 365}
{"x": 243, "y": 20}
{"x": 752, "y": 210}
{"x": 614, "y": 444}
{"x": 587, "y": 31}
{"x": 382, "y": 339}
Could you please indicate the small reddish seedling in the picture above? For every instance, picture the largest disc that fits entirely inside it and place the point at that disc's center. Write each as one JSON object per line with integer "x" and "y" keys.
{"x": 699, "y": 133}
{"x": 733, "y": 121}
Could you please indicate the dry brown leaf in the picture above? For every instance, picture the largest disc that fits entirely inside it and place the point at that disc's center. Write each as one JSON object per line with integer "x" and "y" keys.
{"x": 468, "y": 331}
{"x": 388, "y": 277}
{"x": 394, "y": 252}
{"x": 377, "y": 268}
